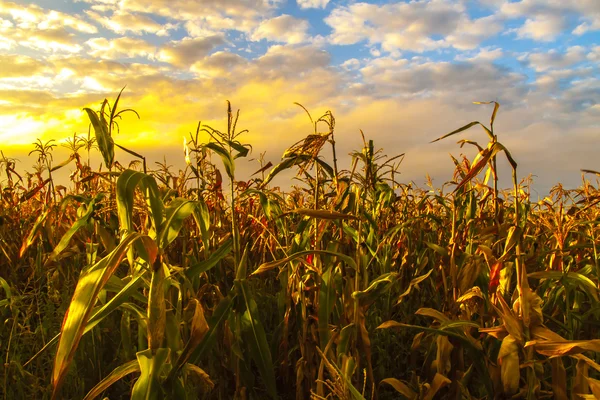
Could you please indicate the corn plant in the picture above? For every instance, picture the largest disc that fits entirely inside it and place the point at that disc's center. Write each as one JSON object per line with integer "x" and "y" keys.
{"x": 145, "y": 281}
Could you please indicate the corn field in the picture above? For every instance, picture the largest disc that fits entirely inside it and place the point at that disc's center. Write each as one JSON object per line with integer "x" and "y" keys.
{"x": 143, "y": 283}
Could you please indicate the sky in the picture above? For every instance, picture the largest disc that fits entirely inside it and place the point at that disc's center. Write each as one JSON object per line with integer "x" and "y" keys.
{"x": 403, "y": 72}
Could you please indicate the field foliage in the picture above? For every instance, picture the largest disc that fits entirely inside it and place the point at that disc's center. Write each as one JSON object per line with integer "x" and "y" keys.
{"x": 147, "y": 283}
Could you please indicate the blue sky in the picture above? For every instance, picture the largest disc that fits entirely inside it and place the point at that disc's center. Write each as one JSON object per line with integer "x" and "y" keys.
{"x": 404, "y": 72}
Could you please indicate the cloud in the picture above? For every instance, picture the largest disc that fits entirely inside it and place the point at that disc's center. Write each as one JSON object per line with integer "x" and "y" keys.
{"x": 56, "y": 40}
{"x": 123, "y": 47}
{"x": 419, "y": 26}
{"x": 41, "y": 29}
{"x": 543, "y": 28}
{"x": 484, "y": 54}
{"x": 443, "y": 80}
{"x": 14, "y": 66}
{"x": 351, "y": 64}
{"x": 546, "y": 19}
{"x": 218, "y": 64}
{"x": 312, "y": 3}
{"x": 200, "y": 18}
{"x": 35, "y": 17}
{"x": 122, "y": 22}
{"x": 183, "y": 53}
{"x": 553, "y": 59}
{"x": 555, "y": 80}
{"x": 291, "y": 61}
{"x": 283, "y": 28}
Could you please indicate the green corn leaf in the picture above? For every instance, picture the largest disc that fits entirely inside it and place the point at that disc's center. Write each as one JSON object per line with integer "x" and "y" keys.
{"x": 327, "y": 299}
{"x": 242, "y": 150}
{"x": 35, "y": 229}
{"x": 464, "y": 128}
{"x": 199, "y": 372}
{"x": 377, "y": 288}
{"x": 347, "y": 334}
{"x": 175, "y": 215}
{"x": 274, "y": 264}
{"x": 401, "y": 388}
{"x": 117, "y": 374}
{"x": 148, "y": 386}
{"x": 225, "y": 157}
{"x": 86, "y": 294}
{"x": 199, "y": 328}
{"x": 296, "y": 160}
{"x": 437, "y": 248}
{"x": 202, "y": 218}
{"x": 448, "y": 331}
{"x": 321, "y": 214}
{"x": 213, "y": 260}
{"x": 62, "y": 164}
{"x": 256, "y": 338}
{"x": 126, "y": 185}
{"x": 117, "y": 301}
{"x": 574, "y": 278}
{"x": 512, "y": 238}
{"x": 106, "y": 145}
{"x": 157, "y": 318}
{"x": 332, "y": 367}
{"x": 80, "y": 223}
{"x": 114, "y": 107}
{"x": 219, "y": 316}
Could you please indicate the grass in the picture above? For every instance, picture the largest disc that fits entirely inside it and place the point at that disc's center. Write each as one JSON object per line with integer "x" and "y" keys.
{"x": 145, "y": 284}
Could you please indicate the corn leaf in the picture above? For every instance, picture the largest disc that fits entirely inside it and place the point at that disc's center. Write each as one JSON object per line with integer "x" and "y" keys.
{"x": 213, "y": 260}
{"x": 256, "y": 338}
{"x": 327, "y": 299}
{"x": 80, "y": 223}
{"x": 35, "y": 229}
{"x": 274, "y": 264}
{"x": 148, "y": 387}
{"x": 225, "y": 157}
{"x": 105, "y": 142}
{"x": 219, "y": 316}
{"x": 86, "y": 294}
{"x": 117, "y": 374}
{"x": 175, "y": 214}
{"x": 401, "y": 388}
{"x": 564, "y": 348}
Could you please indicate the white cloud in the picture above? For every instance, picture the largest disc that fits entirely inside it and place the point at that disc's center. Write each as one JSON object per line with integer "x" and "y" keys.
{"x": 551, "y": 81}
{"x": 218, "y": 64}
{"x": 351, "y": 64}
{"x": 554, "y": 59}
{"x": 201, "y": 17}
{"x": 484, "y": 54}
{"x": 122, "y": 22}
{"x": 123, "y": 47}
{"x": 35, "y": 17}
{"x": 284, "y": 28}
{"x": 543, "y": 28}
{"x": 290, "y": 61}
{"x": 185, "y": 52}
{"x": 478, "y": 80}
{"x": 581, "y": 29}
{"x": 547, "y": 18}
{"x": 312, "y": 3}
{"x": 419, "y": 26}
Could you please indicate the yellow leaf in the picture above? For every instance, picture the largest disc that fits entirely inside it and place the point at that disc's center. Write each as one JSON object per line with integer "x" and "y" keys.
{"x": 508, "y": 357}
{"x": 401, "y": 388}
